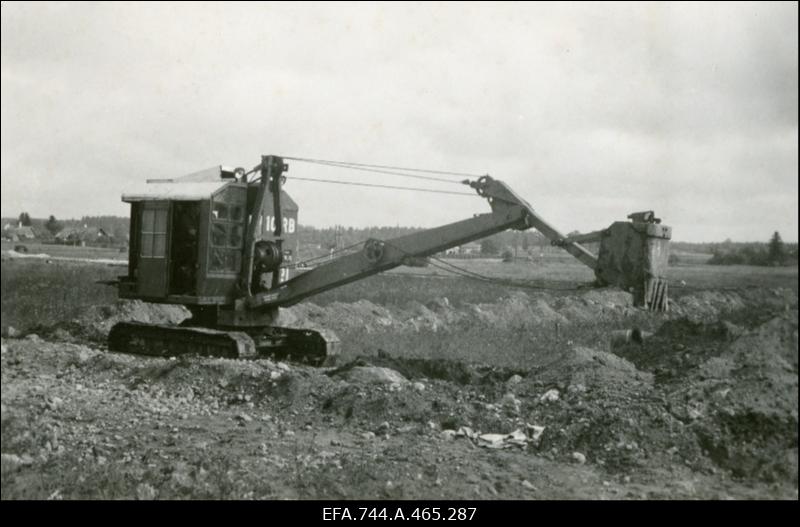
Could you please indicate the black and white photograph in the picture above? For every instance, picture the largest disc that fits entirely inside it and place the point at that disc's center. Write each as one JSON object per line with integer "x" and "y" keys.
{"x": 423, "y": 256}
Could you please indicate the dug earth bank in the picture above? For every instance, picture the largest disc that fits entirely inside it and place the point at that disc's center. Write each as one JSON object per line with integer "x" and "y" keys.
{"x": 535, "y": 396}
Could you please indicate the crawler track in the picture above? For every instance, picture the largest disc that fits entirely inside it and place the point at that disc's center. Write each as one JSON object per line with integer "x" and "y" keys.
{"x": 298, "y": 345}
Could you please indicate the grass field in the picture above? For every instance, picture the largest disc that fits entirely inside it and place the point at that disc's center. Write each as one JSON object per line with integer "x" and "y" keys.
{"x": 72, "y": 285}
{"x": 552, "y": 271}
{"x": 37, "y": 293}
{"x": 68, "y": 251}
{"x": 40, "y": 293}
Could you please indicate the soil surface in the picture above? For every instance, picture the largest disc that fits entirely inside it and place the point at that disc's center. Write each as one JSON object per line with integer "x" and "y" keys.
{"x": 424, "y": 403}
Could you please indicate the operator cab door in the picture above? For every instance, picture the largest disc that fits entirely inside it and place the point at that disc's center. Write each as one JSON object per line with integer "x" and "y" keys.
{"x": 184, "y": 264}
{"x": 153, "y": 255}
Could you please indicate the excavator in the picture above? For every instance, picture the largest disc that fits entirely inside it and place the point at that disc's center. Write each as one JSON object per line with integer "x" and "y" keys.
{"x": 223, "y": 243}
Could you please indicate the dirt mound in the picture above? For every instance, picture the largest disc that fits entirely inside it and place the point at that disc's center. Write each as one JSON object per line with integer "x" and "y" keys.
{"x": 706, "y": 305}
{"x": 517, "y": 310}
{"x": 734, "y": 389}
{"x": 372, "y": 375}
{"x": 592, "y": 368}
{"x": 601, "y": 406}
{"x": 730, "y": 401}
{"x": 744, "y": 402}
{"x": 682, "y": 327}
{"x": 363, "y": 315}
{"x": 97, "y": 321}
{"x": 372, "y": 404}
{"x": 32, "y": 352}
{"x": 608, "y": 298}
{"x": 617, "y": 430}
{"x": 456, "y": 372}
{"x": 437, "y": 395}
{"x": 678, "y": 347}
{"x": 436, "y": 315}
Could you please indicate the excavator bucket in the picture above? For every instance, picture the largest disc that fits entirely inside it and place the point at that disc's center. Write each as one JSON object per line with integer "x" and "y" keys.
{"x": 633, "y": 255}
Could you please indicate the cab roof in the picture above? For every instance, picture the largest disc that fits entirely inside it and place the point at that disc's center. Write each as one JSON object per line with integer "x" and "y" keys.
{"x": 192, "y": 187}
{"x": 174, "y": 191}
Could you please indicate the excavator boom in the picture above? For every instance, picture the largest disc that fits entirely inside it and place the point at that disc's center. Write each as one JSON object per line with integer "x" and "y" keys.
{"x": 378, "y": 255}
{"x": 632, "y": 254}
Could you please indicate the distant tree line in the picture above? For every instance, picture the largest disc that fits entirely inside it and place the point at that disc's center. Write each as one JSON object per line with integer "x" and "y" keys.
{"x": 508, "y": 244}
{"x": 312, "y": 241}
{"x": 772, "y": 253}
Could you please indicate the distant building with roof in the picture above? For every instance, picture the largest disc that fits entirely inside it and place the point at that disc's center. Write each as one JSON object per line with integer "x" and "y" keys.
{"x": 465, "y": 250}
{"x": 19, "y": 232}
{"x": 83, "y": 236}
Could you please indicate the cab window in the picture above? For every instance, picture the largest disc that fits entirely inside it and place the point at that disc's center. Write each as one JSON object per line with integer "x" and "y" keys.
{"x": 227, "y": 230}
{"x": 154, "y": 233}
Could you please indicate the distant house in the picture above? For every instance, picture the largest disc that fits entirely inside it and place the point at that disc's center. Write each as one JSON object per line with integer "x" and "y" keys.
{"x": 84, "y": 236}
{"x": 470, "y": 248}
{"x": 18, "y": 232}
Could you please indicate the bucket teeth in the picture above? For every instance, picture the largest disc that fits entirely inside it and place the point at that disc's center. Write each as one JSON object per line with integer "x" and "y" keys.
{"x": 656, "y": 297}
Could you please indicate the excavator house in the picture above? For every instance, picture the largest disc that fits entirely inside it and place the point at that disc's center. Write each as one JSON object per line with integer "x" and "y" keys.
{"x": 222, "y": 242}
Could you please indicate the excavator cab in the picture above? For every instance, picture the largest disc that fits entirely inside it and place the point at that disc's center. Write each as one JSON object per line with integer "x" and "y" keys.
{"x": 187, "y": 238}
{"x": 164, "y": 254}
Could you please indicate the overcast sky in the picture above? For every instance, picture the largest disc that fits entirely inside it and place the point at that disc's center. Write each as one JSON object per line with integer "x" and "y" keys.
{"x": 589, "y": 111}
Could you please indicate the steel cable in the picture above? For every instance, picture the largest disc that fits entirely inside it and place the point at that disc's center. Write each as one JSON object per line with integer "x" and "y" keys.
{"x": 375, "y": 185}
{"x": 466, "y": 273}
{"x": 366, "y": 165}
